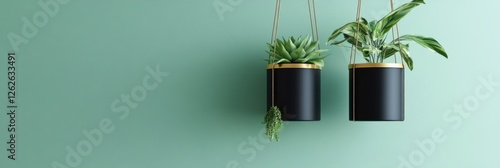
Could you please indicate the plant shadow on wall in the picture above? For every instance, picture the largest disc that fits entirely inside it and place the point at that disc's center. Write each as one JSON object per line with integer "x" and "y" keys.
{"x": 241, "y": 75}
{"x": 334, "y": 90}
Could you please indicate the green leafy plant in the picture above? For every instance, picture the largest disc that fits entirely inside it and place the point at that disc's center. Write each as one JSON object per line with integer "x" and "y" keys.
{"x": 296, "y": 50}
{"x": 372, "y": 37}
{"x": 273, "y": 123}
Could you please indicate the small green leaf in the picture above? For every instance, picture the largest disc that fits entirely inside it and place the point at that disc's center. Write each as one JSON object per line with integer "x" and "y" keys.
{"x": 282, "y": 61}
{"x": 318, "y": 62}
{"x": 308, "y": 43}
{"x": 314, "y": 54}
{"x": 297, "y": 41}
{"x": 298, "y": 53}
{"x": 301, "y": 60}
{"x": 312, "y": 47}
{"x": 304, "y": 42}
{"x": 270, "y": 46}
{"x": 283, "y": 52}
{"x": 290, "y": 46}
{"x": 275, "y": 55}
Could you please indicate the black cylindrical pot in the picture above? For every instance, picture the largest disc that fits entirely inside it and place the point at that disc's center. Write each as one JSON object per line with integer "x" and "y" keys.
{"x": 297, "y": 89}
{"x": 376, "y": 92}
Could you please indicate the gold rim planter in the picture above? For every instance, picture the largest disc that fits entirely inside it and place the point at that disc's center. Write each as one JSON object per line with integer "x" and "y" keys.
{"x": 376, "y": 92}
{"x": 297, "y": 91}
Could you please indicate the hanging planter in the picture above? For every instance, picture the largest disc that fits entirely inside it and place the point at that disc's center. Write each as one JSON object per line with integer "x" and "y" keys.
{"x": 376, "y": 89}
{"x": 297, "y": 91}
{"x": 293, "y": 77}
{"x": 293, "y": 82}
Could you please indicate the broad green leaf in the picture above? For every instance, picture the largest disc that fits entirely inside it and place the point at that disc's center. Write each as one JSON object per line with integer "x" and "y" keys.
{"x": 363, "y": 37}
{"x": 352, "y": 41}
{"x": 349, "y": 29}
{"x": 364, "y": 21}
{"x": 372, "y": 24}
{"x": 351, "y": 32}
{"x": 389, "y": 50}
{"x": 405, "y": 52}
{"x": 371, "y": 49}
{"x": 385, "y": 24}
{"x": 426, "y": 42}
{"x": 339, "y": 42}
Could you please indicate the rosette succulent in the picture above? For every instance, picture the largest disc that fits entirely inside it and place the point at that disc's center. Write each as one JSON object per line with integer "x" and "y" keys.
{"x": 296, "y": 50}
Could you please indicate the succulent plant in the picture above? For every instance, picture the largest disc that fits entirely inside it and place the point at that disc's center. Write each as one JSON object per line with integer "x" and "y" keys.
{"x": 296, "y": 50}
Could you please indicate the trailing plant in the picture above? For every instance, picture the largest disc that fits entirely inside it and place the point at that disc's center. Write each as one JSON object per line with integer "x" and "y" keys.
{"x": 273, "y": 123}
{"x": 296, "y": 50}
{"x": 372, "y": 37}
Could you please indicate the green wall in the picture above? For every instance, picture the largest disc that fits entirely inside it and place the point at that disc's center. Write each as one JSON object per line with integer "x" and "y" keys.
{"x": 176, "y": 84}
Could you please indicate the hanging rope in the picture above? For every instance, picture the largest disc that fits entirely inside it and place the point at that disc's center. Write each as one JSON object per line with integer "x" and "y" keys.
{"x": 313, "y": 20}
{"x": 274, "y": 35}
{"x": 399, "y": 40}
{"x": 392, "y": 29}
{"x": 352, "y": 60}
{"x": 316, "y": 23}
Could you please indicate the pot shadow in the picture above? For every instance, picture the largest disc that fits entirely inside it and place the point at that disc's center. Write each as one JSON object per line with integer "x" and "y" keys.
{"x": 334, "y": 93}
{"x": 234, "y": 89}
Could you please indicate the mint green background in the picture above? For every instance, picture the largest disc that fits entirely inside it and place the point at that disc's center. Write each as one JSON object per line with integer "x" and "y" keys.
{"x": 213, "y": 100}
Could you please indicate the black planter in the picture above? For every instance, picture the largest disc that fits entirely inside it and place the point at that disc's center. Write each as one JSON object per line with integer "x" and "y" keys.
{"x": 297, "y": 89}
{"x": 376, "y": 92}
